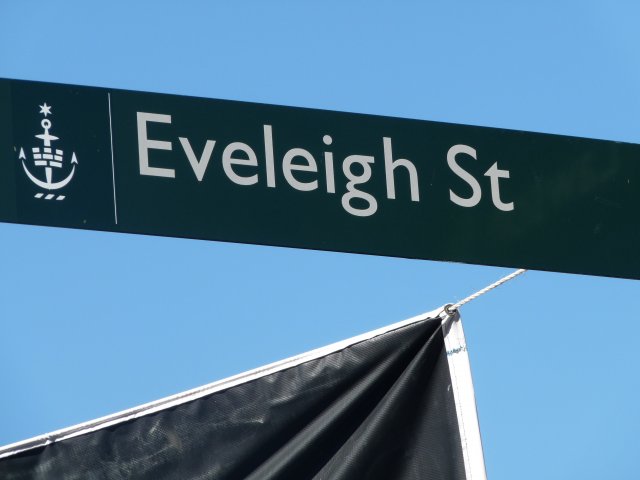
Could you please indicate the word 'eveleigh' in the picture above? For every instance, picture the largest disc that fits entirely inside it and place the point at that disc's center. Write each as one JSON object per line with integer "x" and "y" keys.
{"x": 298, "y": 167}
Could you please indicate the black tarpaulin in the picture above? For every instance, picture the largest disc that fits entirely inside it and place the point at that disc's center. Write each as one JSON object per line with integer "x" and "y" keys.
{"x": 385, "y": 405}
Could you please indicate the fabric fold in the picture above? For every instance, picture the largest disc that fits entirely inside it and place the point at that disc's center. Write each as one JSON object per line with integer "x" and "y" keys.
{"x": 380, "y": 407}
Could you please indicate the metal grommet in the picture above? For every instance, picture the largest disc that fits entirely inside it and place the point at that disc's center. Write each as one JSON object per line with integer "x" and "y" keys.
{"x": 449, "y": 310}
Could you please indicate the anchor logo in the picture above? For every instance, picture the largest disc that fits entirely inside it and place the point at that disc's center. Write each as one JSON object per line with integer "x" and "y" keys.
{"x": 50, "y": 159}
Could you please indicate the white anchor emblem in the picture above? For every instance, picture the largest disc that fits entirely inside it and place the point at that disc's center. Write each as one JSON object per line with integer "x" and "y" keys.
{"x": 49, "y": 158}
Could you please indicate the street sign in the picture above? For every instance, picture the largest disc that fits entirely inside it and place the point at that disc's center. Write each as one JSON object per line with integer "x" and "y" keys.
{"x": 147, "y": 163}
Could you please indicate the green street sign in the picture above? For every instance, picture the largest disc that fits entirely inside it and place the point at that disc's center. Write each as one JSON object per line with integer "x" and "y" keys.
{"x": 122, "y": 161}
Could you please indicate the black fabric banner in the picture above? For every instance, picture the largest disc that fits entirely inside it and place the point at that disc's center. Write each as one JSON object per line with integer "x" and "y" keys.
{"x": 380, "y": 408}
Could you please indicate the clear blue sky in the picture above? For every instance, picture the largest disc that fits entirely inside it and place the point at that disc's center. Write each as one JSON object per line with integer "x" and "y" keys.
{"x": 92, "y": 323}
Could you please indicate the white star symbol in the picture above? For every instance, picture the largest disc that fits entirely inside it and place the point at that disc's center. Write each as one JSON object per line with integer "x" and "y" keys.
{"x": 45, "y": 109}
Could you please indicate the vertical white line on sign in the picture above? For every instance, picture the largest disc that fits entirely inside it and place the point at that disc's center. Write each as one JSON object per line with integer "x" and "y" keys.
{"x": 113, "y": 168}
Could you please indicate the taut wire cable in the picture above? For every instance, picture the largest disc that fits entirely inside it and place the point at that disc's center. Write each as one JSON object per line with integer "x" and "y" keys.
{"x": 451, "y": 308}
